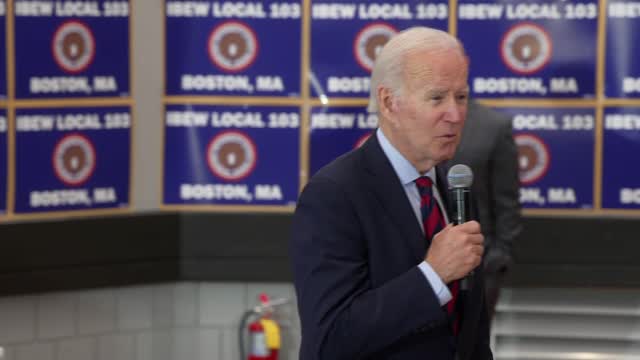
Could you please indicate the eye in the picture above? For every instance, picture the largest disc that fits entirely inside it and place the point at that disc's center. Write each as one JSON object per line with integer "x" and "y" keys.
{"x": 462, "y": 97}
{"x": 437, "y": 98}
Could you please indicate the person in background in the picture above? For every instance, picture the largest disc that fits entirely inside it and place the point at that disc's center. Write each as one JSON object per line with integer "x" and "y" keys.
{"x": 488, "y": 148}
{"x": 377, "y": 265}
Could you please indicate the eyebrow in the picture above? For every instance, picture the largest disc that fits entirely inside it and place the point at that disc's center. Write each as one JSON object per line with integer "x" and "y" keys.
{"x": 437, "y": 91}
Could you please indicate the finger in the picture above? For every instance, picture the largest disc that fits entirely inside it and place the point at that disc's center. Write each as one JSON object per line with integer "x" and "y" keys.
{"x": 478, "y": 261}
{"x": 477, "y": 250}
{"x": 476, "y": 239}
{"x": 470, "y": 227}
{"x": 474, "y": 251}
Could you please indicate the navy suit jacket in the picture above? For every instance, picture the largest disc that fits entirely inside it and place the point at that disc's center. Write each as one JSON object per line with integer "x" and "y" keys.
{"x": 355, "y": 247}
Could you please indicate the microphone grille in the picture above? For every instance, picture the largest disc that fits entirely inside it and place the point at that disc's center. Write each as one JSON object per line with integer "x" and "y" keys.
{"x": 460, "y": 176}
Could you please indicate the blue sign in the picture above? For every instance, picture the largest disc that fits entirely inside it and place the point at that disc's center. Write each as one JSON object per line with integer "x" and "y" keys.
{"x": 335, "y": 131}
{"x": 233, "y": 48}
{"x": 3, "y": 50}
{"x": 346, "y": 36}
{"x": 551, "y": 176}
{"x": 72, "y": 159}
{"x": 71, "y": 49}
{"x": 620, "y": 173}
{"x": 4, "y": 171}
{"x": 231, "y": 155}
{"x": 622, "y": 71}
{"x": 530, "y": 49}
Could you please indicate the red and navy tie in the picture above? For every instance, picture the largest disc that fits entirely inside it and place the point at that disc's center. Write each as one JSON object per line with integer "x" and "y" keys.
{"x": 433, "y": 222}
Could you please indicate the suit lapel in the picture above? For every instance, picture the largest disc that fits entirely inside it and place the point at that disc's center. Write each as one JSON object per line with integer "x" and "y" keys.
{"x": 383, "y": 182}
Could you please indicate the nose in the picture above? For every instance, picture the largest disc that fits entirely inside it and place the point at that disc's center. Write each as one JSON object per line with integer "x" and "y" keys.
{"x": 454, "y": 111}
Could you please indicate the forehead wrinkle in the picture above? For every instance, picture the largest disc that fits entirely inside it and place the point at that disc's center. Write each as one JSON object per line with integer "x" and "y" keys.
{"x": 419, "y": 73}
{"x": 418, "y": 65}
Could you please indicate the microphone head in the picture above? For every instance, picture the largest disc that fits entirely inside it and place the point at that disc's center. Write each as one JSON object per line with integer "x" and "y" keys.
{"x": 460, "y": 176}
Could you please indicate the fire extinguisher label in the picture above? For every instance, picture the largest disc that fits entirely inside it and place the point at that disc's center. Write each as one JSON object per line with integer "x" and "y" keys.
{"x": 259, "y": 346}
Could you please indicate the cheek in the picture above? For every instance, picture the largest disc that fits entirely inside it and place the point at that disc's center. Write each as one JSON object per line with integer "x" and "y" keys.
{"x": 413, "y": 110}
{"x": 430, "y": 123}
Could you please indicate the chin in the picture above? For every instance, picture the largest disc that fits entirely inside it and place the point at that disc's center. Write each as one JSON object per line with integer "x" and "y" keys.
{"x": 446, "y": 155}
{"x": 443, "y": 158}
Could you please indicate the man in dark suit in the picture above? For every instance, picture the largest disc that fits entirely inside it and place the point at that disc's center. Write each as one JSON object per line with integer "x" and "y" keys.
{"x": 487, "y": 147}
{"x": 376, "y": 270}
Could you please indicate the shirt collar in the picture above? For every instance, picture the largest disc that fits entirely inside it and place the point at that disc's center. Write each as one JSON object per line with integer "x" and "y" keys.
{"x": 405, "y": 171}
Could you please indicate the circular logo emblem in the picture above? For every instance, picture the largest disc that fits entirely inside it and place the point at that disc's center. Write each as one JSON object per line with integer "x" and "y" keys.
{"x": 232, "y": 46}
{"x": 74, "y": 159}
{"x": 73, "y": 46}
{"x": 526, "y": 48}
{"x": 362, "y": 139}
{"x": 231, "y": 155}
{"x": 533, "y": 158}
{"x": 370, "y": 41}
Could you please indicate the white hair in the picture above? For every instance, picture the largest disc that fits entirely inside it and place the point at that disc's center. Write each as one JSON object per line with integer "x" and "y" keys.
{"x": 388, "y": 69}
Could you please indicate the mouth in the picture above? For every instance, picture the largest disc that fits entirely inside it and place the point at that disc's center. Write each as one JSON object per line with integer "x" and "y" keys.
{"x": 451, "y": 136}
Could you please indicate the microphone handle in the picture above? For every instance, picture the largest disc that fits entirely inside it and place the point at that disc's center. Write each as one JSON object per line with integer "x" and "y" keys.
{"x": 461, "y": 214}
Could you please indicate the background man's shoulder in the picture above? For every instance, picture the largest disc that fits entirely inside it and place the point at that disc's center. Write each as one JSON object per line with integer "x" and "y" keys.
{"x": 490, "y": 117}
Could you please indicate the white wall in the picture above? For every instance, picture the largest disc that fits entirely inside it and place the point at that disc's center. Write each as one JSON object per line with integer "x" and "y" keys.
{"x": 178, "y": 321}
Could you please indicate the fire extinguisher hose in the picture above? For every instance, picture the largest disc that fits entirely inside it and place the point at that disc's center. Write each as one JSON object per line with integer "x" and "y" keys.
{"x": 244, "y": 321}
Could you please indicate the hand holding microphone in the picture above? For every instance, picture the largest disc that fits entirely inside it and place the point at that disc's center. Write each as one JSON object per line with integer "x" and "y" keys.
{"x": 457, "y": 249}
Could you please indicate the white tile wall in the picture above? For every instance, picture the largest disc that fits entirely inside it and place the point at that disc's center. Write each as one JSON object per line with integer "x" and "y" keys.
{"x": 154, "y": 345}
{"x": 211, "y": 348}
{"x": 144, "y": 349}
{"x": 55, "y": 316}
{"x": 185, "y": 304}
{"x": 229, "y": 338}
{"x": 7, "y": 353}
{"x": 186, "y": 344}
{"x": 96, "y": 312}
{"x": 83, "y": 348}
{"x": 222, "y": 304}
{"x": 116, "y": 347}
{"x": 178, "y": 321}
{"x": 162, "y": 306}
{"x": 134, "y": 308}
{"x": 37, "y": 351}
{"x": 18, "y": 316}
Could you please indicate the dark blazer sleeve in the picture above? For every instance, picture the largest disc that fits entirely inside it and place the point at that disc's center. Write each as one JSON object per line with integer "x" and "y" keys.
{"x": 505, "y": 200}
{"x": 342, "y": 315}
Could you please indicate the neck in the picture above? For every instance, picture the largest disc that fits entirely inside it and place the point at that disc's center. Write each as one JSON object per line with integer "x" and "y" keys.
{"x": 421, "y": 165}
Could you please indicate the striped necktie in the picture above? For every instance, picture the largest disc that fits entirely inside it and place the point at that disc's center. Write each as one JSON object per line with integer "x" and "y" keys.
{"x": 433, "y": 222}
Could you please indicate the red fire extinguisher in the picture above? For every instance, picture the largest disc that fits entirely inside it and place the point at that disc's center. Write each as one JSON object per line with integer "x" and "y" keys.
{"x": 264, "y": 332}
{"x": 258, "y": 342}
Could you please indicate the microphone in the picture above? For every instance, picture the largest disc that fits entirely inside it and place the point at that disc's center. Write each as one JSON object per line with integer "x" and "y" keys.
{"x": 460, "y": 178}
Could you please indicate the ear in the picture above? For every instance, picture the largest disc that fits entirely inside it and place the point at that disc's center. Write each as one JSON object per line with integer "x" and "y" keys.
{"x": 393, "y": 103}
{"x": 387, "y": 104}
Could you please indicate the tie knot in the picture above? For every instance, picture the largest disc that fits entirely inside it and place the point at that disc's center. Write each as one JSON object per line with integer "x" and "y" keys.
{"x": 424, "y": 183}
